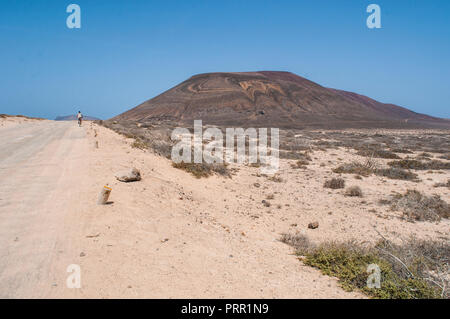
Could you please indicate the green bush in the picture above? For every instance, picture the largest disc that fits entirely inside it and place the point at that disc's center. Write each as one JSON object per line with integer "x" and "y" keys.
{"x": 349, "y": 262}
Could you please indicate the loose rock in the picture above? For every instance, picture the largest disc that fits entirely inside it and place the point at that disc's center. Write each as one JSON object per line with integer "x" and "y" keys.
{"x": 130, "y": 175}
{"x": 313, "y": 225}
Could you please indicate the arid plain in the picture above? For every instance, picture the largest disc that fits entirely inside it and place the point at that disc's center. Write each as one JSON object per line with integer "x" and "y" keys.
{"x": 218, "y": 233}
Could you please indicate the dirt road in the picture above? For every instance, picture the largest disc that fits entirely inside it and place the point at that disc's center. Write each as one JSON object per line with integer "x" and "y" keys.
{"x": 42, "y": 165}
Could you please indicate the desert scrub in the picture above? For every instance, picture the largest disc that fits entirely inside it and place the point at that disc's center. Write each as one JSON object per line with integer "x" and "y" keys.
{"x": 419, "y": 207}
{"x": 303, "y": 156}
{"x": 406, "y": 278}
{"x": 299, "y": 164}
{"x": 334, "y": 183}
{"x": 146, "y": 136}
{"x": 140, "y": 144}
{"x": 354, "y": 191}
{"x": 299, "y": 241}
{"x": 397, "y": 173}
{"x": 360, "y": 168}
{"x": 424, "y": 155}
{"x": 401, "y": 150}
{"x": 420, "y": 165}
{"x": 203, "y": 169}
{"x": 428, "y": 260}
{"x": 370, "y": 167}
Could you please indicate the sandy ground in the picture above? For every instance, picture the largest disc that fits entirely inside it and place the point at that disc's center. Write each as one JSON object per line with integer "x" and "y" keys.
{"x": 12, "y": 121}
{"x": 41, "y": 170}
{"x": 172, "y": 235}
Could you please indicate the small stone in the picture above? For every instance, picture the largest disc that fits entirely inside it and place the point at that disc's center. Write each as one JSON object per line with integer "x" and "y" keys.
{"x": 130, "y": 175}
{"x": 266, "y": 203}
{"x": 313, "y": 225}
{"x": 82, "y": 254}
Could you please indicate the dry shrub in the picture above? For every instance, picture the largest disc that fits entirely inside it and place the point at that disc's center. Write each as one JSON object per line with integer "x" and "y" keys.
{"x": 299, "y": 241}
{"x": 427, "y": 260}
{"x": 419, "y": 207}
{"x": 203, "y": 169}
{"x": 360, "y": 168}
{"x": 324, "y": 144}
{"x": 371, "y": 167}
{"x": 419, "y": 165}
{"x": 354, "y": 191}
{"x": 292, "y": 155}
{"x": 424, "y": 155}
{"x": 397, "y": 173}
{"x": 401, "y": 150}
{"x": 146, "y": 136}
{"x": 334, "y": 183}
{"x": 377, "y": 153}
{"x": 291, "y": 143}
{"x": 140, "y": 144}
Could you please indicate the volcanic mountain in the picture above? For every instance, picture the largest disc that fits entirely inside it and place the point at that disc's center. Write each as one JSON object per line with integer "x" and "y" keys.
{"x": 272, "y": 99}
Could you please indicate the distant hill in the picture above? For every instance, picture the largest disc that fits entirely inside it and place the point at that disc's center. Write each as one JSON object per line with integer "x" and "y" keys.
{"x": 74, "y": 118}
{"x": 273, "y": 99}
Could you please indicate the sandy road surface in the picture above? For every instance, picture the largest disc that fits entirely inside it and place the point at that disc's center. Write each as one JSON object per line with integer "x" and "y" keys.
{"x": 41, "y": 170}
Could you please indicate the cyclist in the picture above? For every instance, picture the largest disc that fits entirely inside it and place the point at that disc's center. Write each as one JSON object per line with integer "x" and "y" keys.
{"x": 80, "y": 118}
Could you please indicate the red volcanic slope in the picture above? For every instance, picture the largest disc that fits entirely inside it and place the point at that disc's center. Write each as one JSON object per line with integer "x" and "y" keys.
{"x": 275, "y": 99}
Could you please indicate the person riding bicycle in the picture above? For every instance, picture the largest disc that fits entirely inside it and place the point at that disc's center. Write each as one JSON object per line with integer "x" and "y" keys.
{"x": 80, "y": 118}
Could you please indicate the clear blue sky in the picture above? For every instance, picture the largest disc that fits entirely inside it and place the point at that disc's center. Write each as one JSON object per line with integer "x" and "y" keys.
{"x": 131, "y": 50}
